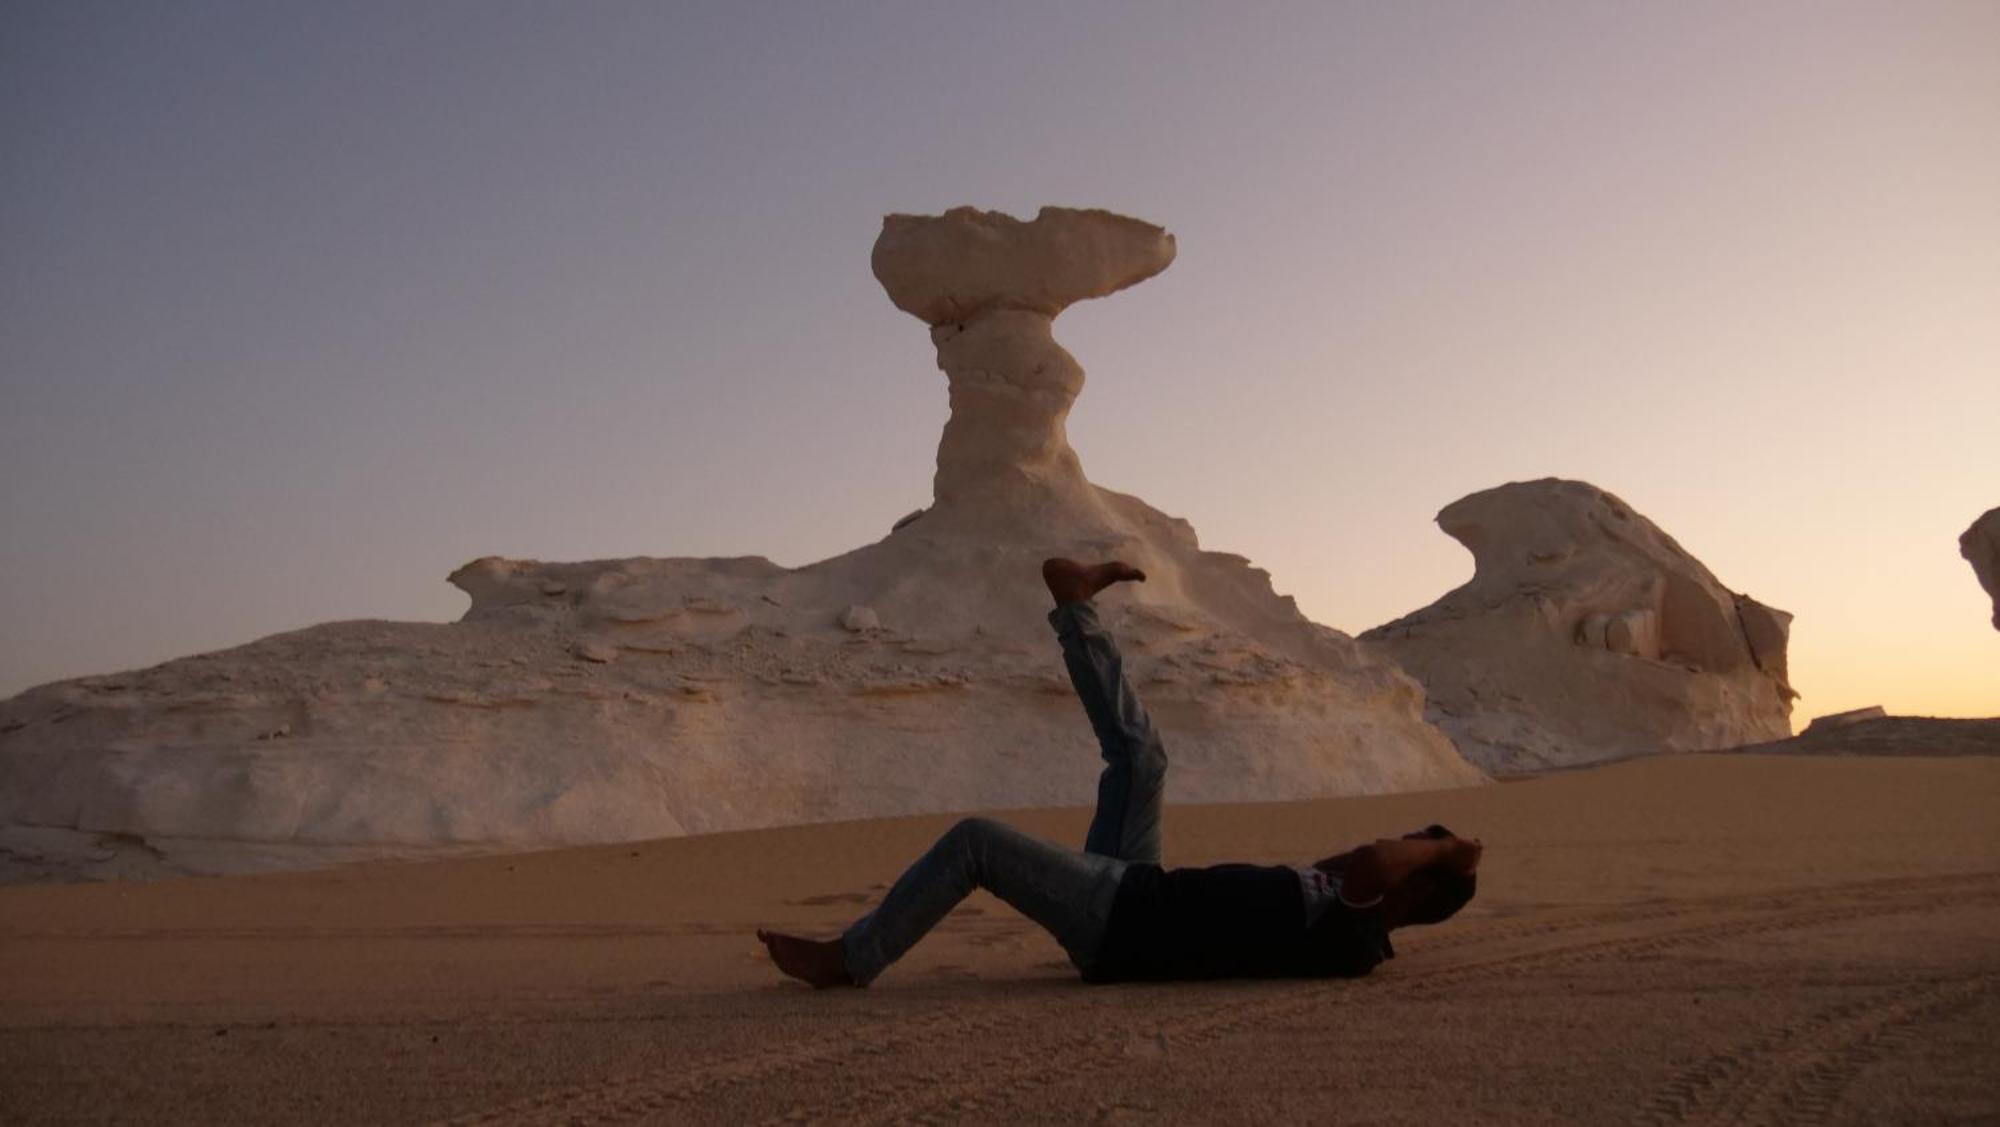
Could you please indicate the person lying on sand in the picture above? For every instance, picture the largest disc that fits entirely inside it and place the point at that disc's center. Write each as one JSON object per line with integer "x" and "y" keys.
{"x": 1115, "y": 910}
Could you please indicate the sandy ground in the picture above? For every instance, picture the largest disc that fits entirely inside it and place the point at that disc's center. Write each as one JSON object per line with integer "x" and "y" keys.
{"x": 1684, "y": 940}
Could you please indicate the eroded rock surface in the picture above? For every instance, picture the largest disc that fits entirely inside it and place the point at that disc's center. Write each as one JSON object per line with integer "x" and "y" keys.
{"x": 1980, "y": 545}
{"x": 990, "y": 287}
{"x": 623, "y": 699}
{"x": 967, "y": 262}
{"x": 1586, "y": 633}
{"x": 1926, "y": 736}
{"x": 1822, "y": 724}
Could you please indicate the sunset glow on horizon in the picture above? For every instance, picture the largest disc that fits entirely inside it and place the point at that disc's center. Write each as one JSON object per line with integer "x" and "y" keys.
{"x": 306, "y": 305}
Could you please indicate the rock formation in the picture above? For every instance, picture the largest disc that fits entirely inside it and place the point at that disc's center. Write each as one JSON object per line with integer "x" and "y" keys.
{"x": 1823, "y": 724}
{"x": 990, "y": 287}
{"x": 1926, "y": 736}
{"x": 1980, "y": 545}
{"x": 1586, "y": 633}
{"x": 647, "y": 697}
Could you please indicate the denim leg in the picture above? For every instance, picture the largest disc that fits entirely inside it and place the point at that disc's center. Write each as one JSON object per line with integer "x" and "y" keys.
{"x": 1067, "y": 892}
{"x": 1127, "y": 822}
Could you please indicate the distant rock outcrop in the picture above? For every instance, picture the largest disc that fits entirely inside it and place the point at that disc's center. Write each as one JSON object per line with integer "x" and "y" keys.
{"x": 1823, "y": 724}
{"x": 1980, "y": 545}
{"x": 1586, "y": 633}
{"x": 1925, "y": 736}
{"x": 623, "y": 699}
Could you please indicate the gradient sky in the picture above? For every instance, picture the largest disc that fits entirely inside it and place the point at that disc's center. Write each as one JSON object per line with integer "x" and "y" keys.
{"x": 301, "y": 306}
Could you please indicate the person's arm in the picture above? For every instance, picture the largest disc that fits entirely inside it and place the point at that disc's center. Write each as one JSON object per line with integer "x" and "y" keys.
{"x": 1335, "y": 865}
{"x": 1375, "y": 869}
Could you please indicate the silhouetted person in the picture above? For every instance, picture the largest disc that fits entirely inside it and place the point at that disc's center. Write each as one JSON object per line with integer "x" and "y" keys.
{"x": 1118, "y": 914}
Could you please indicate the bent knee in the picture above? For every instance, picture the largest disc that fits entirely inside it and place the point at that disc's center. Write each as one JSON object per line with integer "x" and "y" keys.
{"x": 976, "y": 829}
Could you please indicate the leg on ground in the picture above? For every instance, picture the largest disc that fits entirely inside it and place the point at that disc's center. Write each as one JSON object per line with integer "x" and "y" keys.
{"x": 819, "y": 963}
{"x": 1068, "y": 893}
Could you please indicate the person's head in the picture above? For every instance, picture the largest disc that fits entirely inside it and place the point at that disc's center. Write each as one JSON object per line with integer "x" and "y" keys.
{"x": 1433, "y": 894}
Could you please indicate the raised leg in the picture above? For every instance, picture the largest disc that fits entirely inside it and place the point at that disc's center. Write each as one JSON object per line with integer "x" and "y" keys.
{"x": 1069, "y": 894}
{"x": 1130, "y": 791}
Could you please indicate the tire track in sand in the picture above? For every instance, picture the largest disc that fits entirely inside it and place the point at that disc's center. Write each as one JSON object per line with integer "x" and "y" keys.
{"x": 1008, "y": 1066}
{"x": 1796, "y": 1074}
{"x": 1036, "y": 1067}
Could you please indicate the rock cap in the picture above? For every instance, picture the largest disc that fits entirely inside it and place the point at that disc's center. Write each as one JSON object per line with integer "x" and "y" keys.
{"x": 955, "y": 266}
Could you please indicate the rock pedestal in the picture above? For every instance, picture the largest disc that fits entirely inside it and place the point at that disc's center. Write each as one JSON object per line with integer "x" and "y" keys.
{"x": 990, "y": 287}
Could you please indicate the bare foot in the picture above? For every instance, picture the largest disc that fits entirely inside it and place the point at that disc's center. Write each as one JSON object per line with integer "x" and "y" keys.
{"x": 819, "y": 963}
{"x": 1073, "y": 582}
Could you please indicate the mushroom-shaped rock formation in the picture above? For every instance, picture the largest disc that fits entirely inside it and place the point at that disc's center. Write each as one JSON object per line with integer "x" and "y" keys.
{"x": 1980, "y": 545}
{"x": 630, "y": 698}
{"x": 1586, "y": 633}
{"x": 966, "y": 262}
{"x": 990, "y": 287}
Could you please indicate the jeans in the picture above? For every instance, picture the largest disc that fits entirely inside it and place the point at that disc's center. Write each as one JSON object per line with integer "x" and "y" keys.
{"x": 1068, "y": 893}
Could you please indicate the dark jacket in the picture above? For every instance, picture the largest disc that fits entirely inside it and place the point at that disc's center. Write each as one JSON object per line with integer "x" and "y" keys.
{"x": 1231, "y": 921}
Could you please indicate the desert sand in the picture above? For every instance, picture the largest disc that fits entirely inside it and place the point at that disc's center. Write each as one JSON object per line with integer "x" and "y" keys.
{"x": 1683, "y": 939}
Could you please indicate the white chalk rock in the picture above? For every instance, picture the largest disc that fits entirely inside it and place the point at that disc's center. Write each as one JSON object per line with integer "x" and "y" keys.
{"x": 1852, "y": 716}
{"x": 990, "y": 287}
{"x": 747, "y": 694}
{"x": 1980, "y": 545}
{"x": 1586, "y": 633}
{"x": 1635, "y": 633}
{"x": 967, "y": 262}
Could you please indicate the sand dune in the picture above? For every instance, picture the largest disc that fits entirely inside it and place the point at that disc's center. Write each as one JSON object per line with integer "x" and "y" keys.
{"x": 1677, "y": 940}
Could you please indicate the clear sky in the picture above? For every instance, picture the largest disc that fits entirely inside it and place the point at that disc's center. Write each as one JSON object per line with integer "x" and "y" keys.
{"x": 303, "y": 305}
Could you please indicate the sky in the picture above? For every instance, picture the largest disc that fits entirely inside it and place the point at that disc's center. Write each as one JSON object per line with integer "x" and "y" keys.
{"x": 304, "y": 305}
